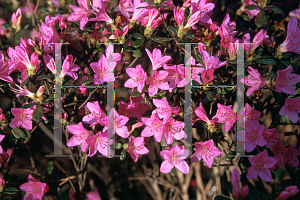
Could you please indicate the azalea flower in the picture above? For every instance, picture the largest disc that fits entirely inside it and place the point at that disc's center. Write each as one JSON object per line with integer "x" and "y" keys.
{"x": 104, "y": 70}
{"x": 251, "y": 13}
{"x": 79, "y": 136}
{"x": 175, "y": 76}
{"x": 253, "y": 80}
{"x": 23, "y": 117}
{"x": 260, "y": 166}
{"x": 201, "y": 114}
{"x": 225, "y": 115}
{"x": 16, "y": 19}
{"x": 35, "y": 190}
{"x": 157, "y": 80}
{"x": 164, "y": 110}
{"x": 135, "y": 147}
{"x": 173, "y": 129}
{"x": 292, "y": 40}
{"x": 157, "y": 59}
{"x": 125, "y": 7}
{"x": 253, "y": 136}
{"x": 154, "y": 127}
{"x": 179, "y": 16}
{"x": 257, "y": 40}
{"x": 80, "y": 13}
{"x": 291, "y": 155}
{"x": 295, "y": 13}
{"x": 206, "y": 151}
{"x": 96, "y": 116}
{"x": 119, "y": 123}
{"x": 137, "y": 78}
{"x": 279, "y": 153}
{"x": 99, "y": 142}
{"x": 288, "y": 192}
{"x": 174, "y": 157}
{"x": 285, "y": 80}
{"x": 93, "y": 195}
{"x": 270, "y": 136}
{"x": 250, "y": 114}
{"x": 236, "y": 191}
{"x": 291, "y": 108}
{"x": 135, "y": 108}
{"x": 37, "y": 97}
{"x": 4, "y": 69}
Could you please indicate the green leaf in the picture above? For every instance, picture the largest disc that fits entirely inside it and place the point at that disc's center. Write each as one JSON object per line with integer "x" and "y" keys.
{"x": 90, "y": 80}
{"x": 28, "y": 134}
{"x": 138, "y": 36}
{"x": 11, "y": 190}
{"x": 245, "y": 17}
{"x": 148, "y": 1}
{"x": 172, "y": 29}
{"x": 137, "y": 53}
{"x": 165, "y": 7}
{"x": 267, "y": 61}
{"x": 287, "y": 63}
{"x": 173, "y": 171}
{"x": 6, "y": 26}
{"x": 274, "y": 8}
{"x": 95, "y": 51}
{"x": 251, "y": 7}
{"x": 42, "y": 77}
{"x": 18, "y": 133}
{"x": 24, "y": 82}
{"x": 163, "y": 143}
{"x": 26, "y": 26}
{"x": 230, "y": 155}
{"x": 161, "y": 40}
{"x": 138, "y": 42}
{"x": 29, "y": 105}
{"x": 118, "y": 145}
{"x": 211, "y": 96}
{"x": 189, "y": 36}
{"x": 123, "y": 154}
{"x": 50, "y": 167}
{"x": 88, "y": 29}
{"x": 136, "y": 94}
{"x": 43, "y": 9}
{"x": 50, "y": 97}
{"x": 221, "y": 197}
{"x": 37, "y": 113}
{"x": 260, "y": 19}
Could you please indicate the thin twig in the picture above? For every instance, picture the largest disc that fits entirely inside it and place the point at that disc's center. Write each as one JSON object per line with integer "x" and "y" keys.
{"x": 91, "y": 93}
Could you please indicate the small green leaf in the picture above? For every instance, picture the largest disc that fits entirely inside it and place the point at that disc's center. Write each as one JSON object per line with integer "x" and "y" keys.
{"x": 123, "y": 154}
{"x": 26, "y": 26}
{"x": 138, "y": 36}
{"x": 90, "y": 80}
{"x": 286, "y": 63}
{"x": 245, "y": 17}
{"x": 50, "y": 167}
{"x": 43, "y": 9}
{"x": 211, "y": 96}
{"x": 163, "y": 143}
{"x": 42, "y": 77}
{"x": 274, "y": 8}
{"x": 161, "y": 40}
{"x": 189, "y": 36}
{"x": 173, "y": 171}
{"x": 137, "y": 53}
{"x": 6, "y": 26}
{"x": 230, "y": 155}
{"x": 267, "y": 61}
{"x": 37, "y": 113}
{"x": 138, "y": 42}
{"x": 29, "y": 105}
{"x": 118, "y": 145}
{"x": 50, "y": 97}
{"x": 148, "y": 1}
{"x": 172, "y": 29}
{"x": 165, "y": 7}
{"x": 136, "y": 94}
{"x": 95, "y": 51}
{"x": 11, "y": 190}
{"x": 18, "y": 133}
{"x": 24, "y": 82}
{"x": 221, "y": 197}
{"x": 88, "y": 29}
{"x": 251, "y": 7}
{"x": 260, "y": 19}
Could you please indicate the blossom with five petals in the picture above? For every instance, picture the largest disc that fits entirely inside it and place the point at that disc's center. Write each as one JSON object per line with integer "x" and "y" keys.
{"x": 250, "y": 114}
{"x": 154, "y": 127}
{"x": 23, "y": 117}
{"x": 173, "y": 129}
{"x": 253, "y": 135}
{"x": 163, "y": 110}
{"x": 291, "y": 108}
{"x": 225, "y": 115}
{"x": 79, "y": 136}
{"x": 201, "y": 114}
{"x": 99, "y": 142}
{"x": 135, "y": 108}
{"x": 104, "y": 70}
{"x": 35, "y": 189}
{"x": 174, "y": 157}
{"x": 137, "y": 78}
{"x": 80, "y": 13}
{"x": 285, "y": 80}
{"x": 96, "y": 116}
{"x": 206, "y": 151}
{"x": 136, "y": 146}
{"x": 157, "y": 59}
{"x": 157, "y": 80}
{"x": 118, "y": 123}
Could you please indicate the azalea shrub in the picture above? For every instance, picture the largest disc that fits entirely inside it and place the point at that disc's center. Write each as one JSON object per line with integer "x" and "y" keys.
{"x": 144, "y": 97}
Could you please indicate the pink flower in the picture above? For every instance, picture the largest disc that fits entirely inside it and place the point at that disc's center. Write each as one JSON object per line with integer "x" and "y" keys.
{"x": 164, "y": 110}
{"x": 173, "y": 129}
{"x": 269, "y": 41}
{"x": 253, "y": 80}
{"x": 119, "y": 122}
{"x": 104, "y": 70}
{"x": 16, "y": 19}
{"x": 295, "y": 13}
{"x": 201, "y": 114}
{"x": 96, "y": 116}
{"x": 137, "y": 78}
{"x": 125, "y": 6}
{"x": 80, "y": 13}
{"x": 93, "y": 195}
{"x": 175, "y": 76}
{"x": 4, "y": 69}
{"x": 291, "y": 108}
{"x": 235, "y": 180}
{"x": 206, "y": 151}
{"x": 157, "y": 59}
{"x": 79, "y": 136}
{"x": 154, "y": 127}
{"x": 99, "y": 142}
{"x": 138, "y": 14}
{"x": 260, "y": 165}
{"x": 2, "y": 30}
{"x": 174, "y": 157}
{"x": 101, "y": 15}
{"x": 279, "y": 153}
{"x": 225, "y": 115}
{"x": 35, "y": 190}
{"x": 291, "y": 155}
{"x": 69, "y": 67}
{"x": 292, "y": 40}
{"x": 285, "y": 80}
{"x": 203, "y": 8}
{"x": 270, "y": 136}
{"x": 179, "y": 16}
{"x": 23, "y": 117}
{"x": 251, "y": 13}
{"x": 157, "y": 80}
{"x": 288, "y": 192}
{"x": 135, "y": 147}
{"x": 257, "y": 40}
{"x": 253, "y": 136}
{"x": 135, "y": 108}
{"x": 250, "y": 114}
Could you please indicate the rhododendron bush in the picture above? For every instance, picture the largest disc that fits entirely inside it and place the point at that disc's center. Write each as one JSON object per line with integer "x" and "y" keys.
{"x": 149, "y": 99}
